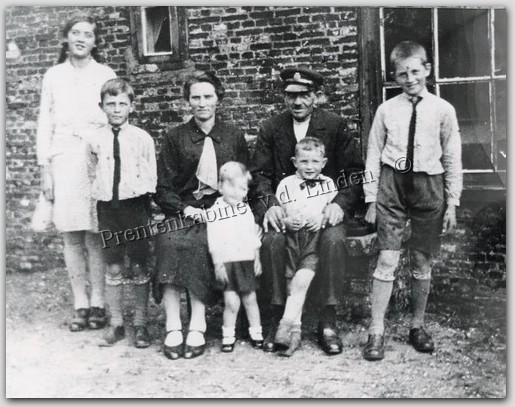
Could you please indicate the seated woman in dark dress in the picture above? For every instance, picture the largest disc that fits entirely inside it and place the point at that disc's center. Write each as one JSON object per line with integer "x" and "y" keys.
{"x": 188, "y": 165}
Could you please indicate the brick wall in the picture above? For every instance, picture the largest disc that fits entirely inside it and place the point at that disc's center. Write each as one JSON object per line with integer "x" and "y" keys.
{"x": 247, "y": 47}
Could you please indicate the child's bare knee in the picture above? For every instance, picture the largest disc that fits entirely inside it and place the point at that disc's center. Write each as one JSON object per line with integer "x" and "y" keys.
{"x": 249, "y": 298}
{"x": 114, "y": 274}
{"x": 387, "y": 263}
{"x": 388, "y": 259}
{"x": 301, "y": 281}
{"x": 419, "y": 259}
{"x": 232, "y": 301}
{"x": 421, "y": 265}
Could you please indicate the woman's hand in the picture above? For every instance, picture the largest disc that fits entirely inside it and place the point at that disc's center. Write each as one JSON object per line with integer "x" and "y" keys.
{"x": 371, "y": 215}
{"x": 221, "y": 273}
{"x": 258, "y": 270}
{"x": 274, "y": 216}
{"x": 47, "y": 183}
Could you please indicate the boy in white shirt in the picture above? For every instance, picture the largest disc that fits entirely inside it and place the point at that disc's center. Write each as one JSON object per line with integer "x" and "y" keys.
{"x": 303, "y": 197}
{"x": 125, "y": 176}
{"x": 419, "y": 131}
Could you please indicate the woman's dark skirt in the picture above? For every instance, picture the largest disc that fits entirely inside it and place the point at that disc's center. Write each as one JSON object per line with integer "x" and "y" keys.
{"x": 183, "y": 260}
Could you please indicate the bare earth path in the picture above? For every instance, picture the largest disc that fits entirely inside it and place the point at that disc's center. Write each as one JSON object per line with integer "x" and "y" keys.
{"x": 45, "y": 359}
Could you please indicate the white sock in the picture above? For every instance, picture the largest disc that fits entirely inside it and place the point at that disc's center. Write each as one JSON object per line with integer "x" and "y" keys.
{"x": 229, "y": 335}
{"x": 195, "y": 338}
{"x": 174, "y": 338}
{"x": 256, "y": 333}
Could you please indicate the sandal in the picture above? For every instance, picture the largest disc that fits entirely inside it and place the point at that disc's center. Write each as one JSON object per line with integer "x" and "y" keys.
{"x": 173, "y": 352}
{"x": 79, "y": 320}
{"x": 192, "y": 351}
{"x": 97, "y": 318}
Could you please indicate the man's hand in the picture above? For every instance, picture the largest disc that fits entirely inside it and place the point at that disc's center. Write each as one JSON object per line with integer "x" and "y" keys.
{"x": 371, "y": 215}
{"x": 332, "y": 214}
{"x": 221, "y": 273}
{"x": 47, "y": 183}
{"x": 293, "y": 223}
{"x": 314, "y": 223}
{"x": 191, "y": 212}
{"x": 274, "y": 216}
{"x": 449, "y": 219}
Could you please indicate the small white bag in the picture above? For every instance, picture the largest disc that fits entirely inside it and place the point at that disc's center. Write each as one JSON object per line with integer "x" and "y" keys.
{"x": 42, "y": 217}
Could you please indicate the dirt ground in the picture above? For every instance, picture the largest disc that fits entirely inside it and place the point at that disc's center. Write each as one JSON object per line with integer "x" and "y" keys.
{"x": 45, "y": 360}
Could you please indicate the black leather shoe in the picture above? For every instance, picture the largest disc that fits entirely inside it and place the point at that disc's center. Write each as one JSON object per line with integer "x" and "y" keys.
{"x": 330, "y": 341}
{"x": 228, "y": 347}
{"x": 257, "y": 344}
{"x": 79, "y": 320}
{"x": 421, "y": 341}
{"x": 141, "y": 337}
{"x": 374, "y": 349}
{"x": 97, "y": 318}
{"x": 114, "y": 334}
{"x": 173, "y": 352}
{"x": 191, "y": 352}
{"x": 268, "y": 343}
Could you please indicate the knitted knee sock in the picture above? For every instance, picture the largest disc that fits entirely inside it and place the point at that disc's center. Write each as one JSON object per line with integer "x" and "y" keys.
{"x": 114, "y": 297}
{"x": 140, "y": 304}
{"x": 419, "y": 294}
{"x": 381, "y": 293}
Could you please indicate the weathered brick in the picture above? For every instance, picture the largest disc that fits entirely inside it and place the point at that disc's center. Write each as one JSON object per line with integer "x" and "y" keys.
{"x": 262, "y": 15}
{"x": 288, "y": 12}
{"x": 238, "y": 17}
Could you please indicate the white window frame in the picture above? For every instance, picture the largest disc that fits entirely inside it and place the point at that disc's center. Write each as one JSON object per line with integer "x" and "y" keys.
{"x": 145, "y": 28}
{"x": 491, "y": 78}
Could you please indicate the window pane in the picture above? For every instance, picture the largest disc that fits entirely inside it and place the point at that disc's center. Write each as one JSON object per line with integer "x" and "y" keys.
{"x": 472, "y": 104}
{"x": 500, "y": 123}
{"x": 463, "y": 43}
{"x": 501, "y": 42}
{"x": 158, "y": 33}
{"x": 402, "y": 24}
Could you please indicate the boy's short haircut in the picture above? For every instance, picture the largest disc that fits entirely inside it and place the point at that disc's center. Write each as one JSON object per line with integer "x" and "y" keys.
{"x": 310, "y": 144}
{"x": 234, "y": 169}
{"x": 407, "y": 49}
{"x": 115, "y": 87}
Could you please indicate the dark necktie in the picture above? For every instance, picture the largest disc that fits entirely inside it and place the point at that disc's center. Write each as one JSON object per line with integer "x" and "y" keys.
{"x": 116, "y": 176}
{"x": 411, "y": 142}
{"x": 310, "y": 183}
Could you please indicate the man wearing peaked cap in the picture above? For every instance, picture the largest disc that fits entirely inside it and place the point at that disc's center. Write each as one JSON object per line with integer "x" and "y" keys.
{"x": 271, "y": 163}
{"x": 295, "y": 78}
